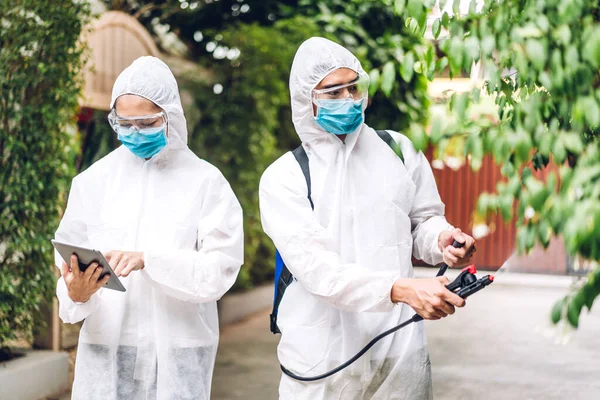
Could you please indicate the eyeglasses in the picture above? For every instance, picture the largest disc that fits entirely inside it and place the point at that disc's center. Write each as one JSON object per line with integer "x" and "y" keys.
{"x": 357, "y": 89}
{"x": 141, "y": 123}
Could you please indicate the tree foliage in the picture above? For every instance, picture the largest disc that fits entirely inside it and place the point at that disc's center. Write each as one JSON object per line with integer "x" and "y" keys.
{"x": 40, "y": 81}
{"x": 539, "y": 109}
{"x": 244, "y": 111}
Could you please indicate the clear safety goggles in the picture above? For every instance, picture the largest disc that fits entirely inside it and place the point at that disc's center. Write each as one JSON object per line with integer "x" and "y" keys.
{"x": 142, "y": 124}
{"x": 356, "y": 90}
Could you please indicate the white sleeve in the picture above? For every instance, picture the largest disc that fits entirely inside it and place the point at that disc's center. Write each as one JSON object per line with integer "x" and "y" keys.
{"x": 206, "y": 274}
{"x": 72, "y": 230}
{"x": 71, "y": 312}
{"x": 308, "y": 251}
{"x": 427, "y": 213}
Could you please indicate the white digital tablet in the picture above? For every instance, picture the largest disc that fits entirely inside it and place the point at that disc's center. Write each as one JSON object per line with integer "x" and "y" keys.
{"x": 86, "y": 257}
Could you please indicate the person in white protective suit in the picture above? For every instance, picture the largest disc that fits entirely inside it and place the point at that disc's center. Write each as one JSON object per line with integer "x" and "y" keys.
{"x": 171, "y": 228}
{"x": 351, "y": 256}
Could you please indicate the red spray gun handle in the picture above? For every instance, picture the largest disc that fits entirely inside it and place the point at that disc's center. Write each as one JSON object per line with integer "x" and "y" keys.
{"x": 465, "y": 284}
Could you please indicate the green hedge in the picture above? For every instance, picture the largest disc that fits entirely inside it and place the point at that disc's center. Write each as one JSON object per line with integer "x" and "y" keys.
{"x": 40, "y": 81}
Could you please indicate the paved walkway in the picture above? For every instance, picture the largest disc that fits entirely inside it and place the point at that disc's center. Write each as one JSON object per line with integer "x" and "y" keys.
{"x": 498, "y": 347}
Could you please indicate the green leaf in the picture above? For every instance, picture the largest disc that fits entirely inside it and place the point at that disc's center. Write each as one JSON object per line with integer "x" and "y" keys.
{"x": 413, "y": 25}
{"x": 591, "y": 292}
{"x": 445, "y": 20}
{"x": 399, "y": 6}
{"x": 559, "y": 151}
{"x": 398, "y": 150}
{"x": 476, "y": 151}
{"x": 572, "y": 142}
{"x": 526, "y": 174}
{"x": 514, "y": 186}
{"x": 591, "y": 48}
{"x": 523, "y": 145}
{"x": 436, "y": 28}
{"x": 530, "y": 239}
{"x": 544, "y": 233}
{"x": 536, "y": 52}
{"x": 373, "y": 81}
{"x": 388, "y": 78}
{"x": 441, "y": 64}
{"x": 545, "y": 80}
{"x": 407, "y": 69}
{"x": 592, "y": 111}
{"x": 506, "y": 207}
{"x": 522, "y": 238}
{"x": 543, "y": 23}
{"x": 460, "y": 104}
{"x": 455, "y": 56}
{"x": 415, "y": 9}
{"x": 537, "y": 193}
{"x": 574, "y": 308}
{"x": 436, "y": 130}
{"x": 429, "y": 56}
{"x": 562, "y": 35}
{"x": 488, "y": 44}
{"x": 557, "y": 310}
{"x": 418, "y": 136}
{"x": 472, "y": 49}
{"x": 456, "y": 7}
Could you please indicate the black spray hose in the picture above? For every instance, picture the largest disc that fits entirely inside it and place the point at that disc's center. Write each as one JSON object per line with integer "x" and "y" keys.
{"x": 354, "y": 358}
{"x": 464, "y": 285}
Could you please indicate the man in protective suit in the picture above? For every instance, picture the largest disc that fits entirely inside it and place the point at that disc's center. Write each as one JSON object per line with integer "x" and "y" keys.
{"x": 351, "y": 256}
{"x": 171, "y": 228}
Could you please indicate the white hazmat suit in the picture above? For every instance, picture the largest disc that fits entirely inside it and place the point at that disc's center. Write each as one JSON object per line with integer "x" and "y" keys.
{"x": 372, "y": 212}
{"x": 157, "y": 340}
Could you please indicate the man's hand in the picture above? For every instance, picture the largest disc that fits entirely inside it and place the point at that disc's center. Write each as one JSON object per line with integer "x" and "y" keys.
{"x": 456, "y": 257}
{"x": 82, "y": 285}
{"x": 428, "y": 297}
{"x": 123, "y": 262}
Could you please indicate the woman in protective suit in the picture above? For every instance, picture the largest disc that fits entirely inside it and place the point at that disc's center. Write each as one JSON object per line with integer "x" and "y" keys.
{"x": 351, "y": 256}
{"x": 171, "y": 228}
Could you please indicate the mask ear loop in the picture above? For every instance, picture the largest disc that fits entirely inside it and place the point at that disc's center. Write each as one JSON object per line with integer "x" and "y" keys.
{"x": 166, "y": 119}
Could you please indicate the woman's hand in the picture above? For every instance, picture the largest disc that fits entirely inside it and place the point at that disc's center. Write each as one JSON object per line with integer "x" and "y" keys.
{"x": 123, "y": 262}
{"x": 81, "y": 285}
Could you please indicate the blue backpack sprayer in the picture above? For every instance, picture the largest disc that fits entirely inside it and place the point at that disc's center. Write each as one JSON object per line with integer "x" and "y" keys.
{"x": 465, "y": 284}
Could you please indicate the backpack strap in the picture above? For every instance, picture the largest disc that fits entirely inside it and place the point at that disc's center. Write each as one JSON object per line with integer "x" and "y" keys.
{"x": 302, "y": 159}
{"x": 387, "y": 138}
{"x": 283, "y": 276}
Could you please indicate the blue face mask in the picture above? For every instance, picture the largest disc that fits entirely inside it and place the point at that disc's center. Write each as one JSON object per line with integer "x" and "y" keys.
{"x": 143, "y": 143}
{"x": 339, "y": 117}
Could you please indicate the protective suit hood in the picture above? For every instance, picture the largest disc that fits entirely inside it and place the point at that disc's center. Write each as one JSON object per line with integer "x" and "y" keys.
{"x": 314, "y": 60}
{"x": 151, "y": 78}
